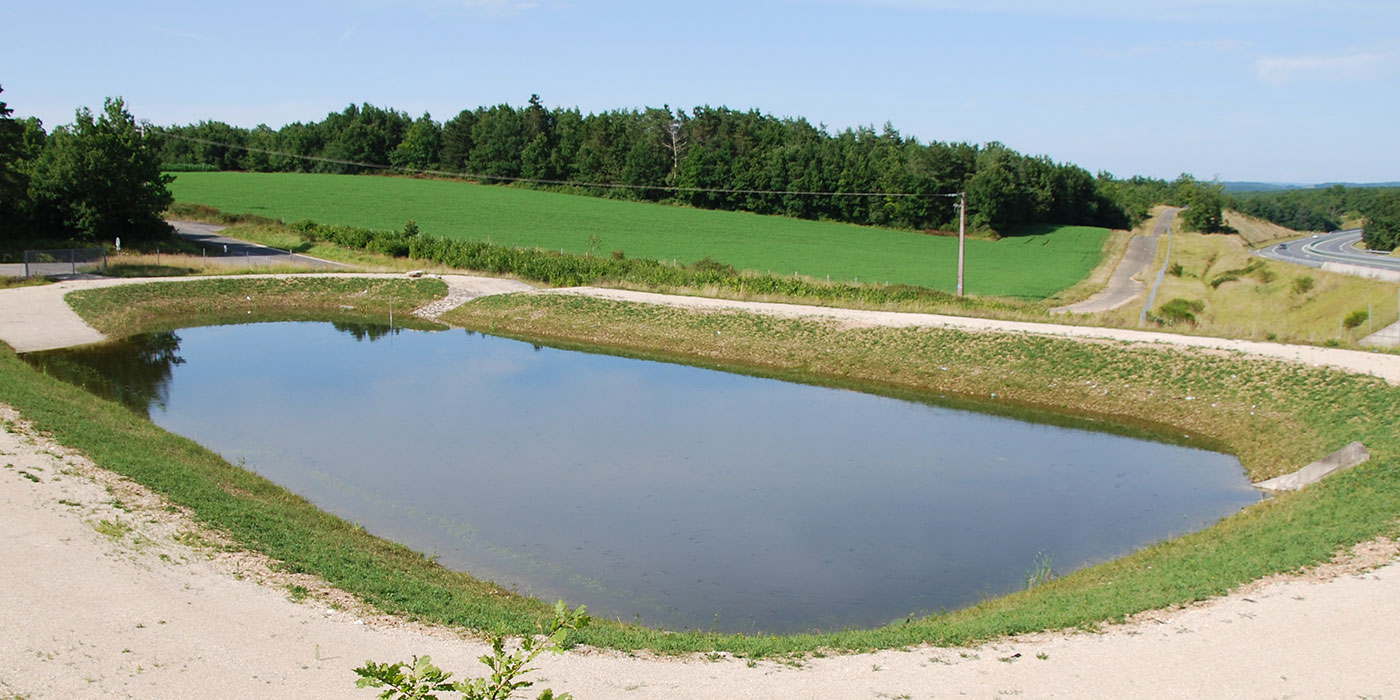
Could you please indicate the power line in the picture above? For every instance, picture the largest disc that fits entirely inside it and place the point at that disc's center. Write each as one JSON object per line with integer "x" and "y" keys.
{"x": 542, "y": 181}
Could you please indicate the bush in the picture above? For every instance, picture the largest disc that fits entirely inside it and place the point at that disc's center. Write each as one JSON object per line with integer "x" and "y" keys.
{"x": 1180, "y": 311}
{"x": 1302, "y": 285}
{"x": 1356, "y": 318}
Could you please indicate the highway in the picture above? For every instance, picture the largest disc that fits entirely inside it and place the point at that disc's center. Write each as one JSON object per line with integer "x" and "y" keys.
{"x": 1337, "y": 246}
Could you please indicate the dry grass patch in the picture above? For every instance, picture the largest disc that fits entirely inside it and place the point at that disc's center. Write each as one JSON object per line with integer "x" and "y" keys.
{"x": 1243, "y": 296}
{"x": 1257, "y": 232}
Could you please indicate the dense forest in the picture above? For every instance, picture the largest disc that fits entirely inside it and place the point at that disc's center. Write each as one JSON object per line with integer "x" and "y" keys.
{"x": 710, "y": 157}
{"x": 1329, "y": 208}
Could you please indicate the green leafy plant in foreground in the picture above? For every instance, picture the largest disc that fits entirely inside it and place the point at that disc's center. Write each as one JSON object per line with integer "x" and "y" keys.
{"x": 421, "y": 680}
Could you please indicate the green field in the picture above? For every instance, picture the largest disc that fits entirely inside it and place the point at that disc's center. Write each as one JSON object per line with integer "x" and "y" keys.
{"x": 1026, "y": 267}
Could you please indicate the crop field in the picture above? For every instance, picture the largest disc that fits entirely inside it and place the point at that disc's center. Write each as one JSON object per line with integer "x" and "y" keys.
{"x": 1031, "y": 267}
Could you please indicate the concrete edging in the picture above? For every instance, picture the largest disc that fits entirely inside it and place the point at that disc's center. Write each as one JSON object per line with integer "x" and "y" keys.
{"x": 1345, "y": 458}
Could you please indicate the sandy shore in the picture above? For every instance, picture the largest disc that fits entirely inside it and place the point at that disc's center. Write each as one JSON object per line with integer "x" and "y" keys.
{"x": 107, "y": 593}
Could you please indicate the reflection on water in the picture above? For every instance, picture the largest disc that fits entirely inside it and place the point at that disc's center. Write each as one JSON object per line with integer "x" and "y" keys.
{"x": 134, "y": 372}
{"x": 674, "y": 495}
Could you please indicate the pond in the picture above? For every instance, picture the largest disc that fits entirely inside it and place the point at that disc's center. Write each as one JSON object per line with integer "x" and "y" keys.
{"x": 667, "y": 494}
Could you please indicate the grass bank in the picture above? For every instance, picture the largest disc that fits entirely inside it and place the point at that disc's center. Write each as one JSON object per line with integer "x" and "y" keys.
{"x": 1032, "y": 266}
{"x": 161, "y": 306}
{"x": 1276, "y": 416}
{"x": 1243, "y": 296}
{"x": 1258, "y": 232}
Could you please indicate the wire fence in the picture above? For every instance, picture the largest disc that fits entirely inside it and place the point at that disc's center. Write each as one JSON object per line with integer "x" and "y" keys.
{"x": 64, "y": 261}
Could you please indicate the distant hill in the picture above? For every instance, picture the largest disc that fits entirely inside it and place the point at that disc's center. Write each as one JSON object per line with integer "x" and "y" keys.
{"x": 1236, "y": 187}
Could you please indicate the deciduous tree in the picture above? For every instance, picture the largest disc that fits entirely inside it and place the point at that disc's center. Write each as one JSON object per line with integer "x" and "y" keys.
{"x": 100, "y": 179}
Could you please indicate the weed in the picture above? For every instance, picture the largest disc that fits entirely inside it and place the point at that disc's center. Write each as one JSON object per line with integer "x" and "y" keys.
{"x": 1302, "y": 285}
{"x": 1041, "y": 571}
{"x": 421, "y": 679}
{"x": 114, "y": 529}
{"x": 66, "y": 502}
{"x": 297, "y": 592}
{"x": 1042, "y": 656}
{"x": 29, "y": 476}
{"x": 190, "y": 539}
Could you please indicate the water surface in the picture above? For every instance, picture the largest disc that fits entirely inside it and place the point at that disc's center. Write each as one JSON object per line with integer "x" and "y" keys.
{"x": 663, "y": 493}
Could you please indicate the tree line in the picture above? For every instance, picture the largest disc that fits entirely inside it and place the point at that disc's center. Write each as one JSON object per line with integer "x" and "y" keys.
{"x": 102, "y": 176}
{"x": 94, "y": 180}
{"x": 710, "y": 157}
{"x": 1330, "y": 208}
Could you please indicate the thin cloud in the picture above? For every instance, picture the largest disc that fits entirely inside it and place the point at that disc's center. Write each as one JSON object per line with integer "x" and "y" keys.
{"x": 1283, "y": 70}
{"x": 183, "y": 34}
{"x": 345, "y": 35}
{"x": 1188, "y": 11}
{"x": 476, "y": 7}
{"x": 1195, "y": 45}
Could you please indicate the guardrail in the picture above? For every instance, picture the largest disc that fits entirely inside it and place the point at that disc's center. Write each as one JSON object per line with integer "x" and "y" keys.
{"x": 64, "y": 261}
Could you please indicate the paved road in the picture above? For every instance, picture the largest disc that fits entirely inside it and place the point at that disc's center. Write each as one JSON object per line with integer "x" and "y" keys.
{"x": 232, "y": 251}
{"x": 1335, "y": 247}
{"x": 1123, "y": 286}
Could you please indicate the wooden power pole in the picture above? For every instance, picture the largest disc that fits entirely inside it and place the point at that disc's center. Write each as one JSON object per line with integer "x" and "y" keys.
{"x": 962, "y": 236}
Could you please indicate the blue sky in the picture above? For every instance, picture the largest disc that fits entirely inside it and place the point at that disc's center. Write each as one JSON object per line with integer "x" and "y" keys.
{"x": 1272, "y": 90}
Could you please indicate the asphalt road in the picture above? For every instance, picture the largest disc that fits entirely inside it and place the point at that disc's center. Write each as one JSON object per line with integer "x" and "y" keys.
{"x": 1123, "y": 287}
{"x": 238, "y": 252}
{"x": 1337, "y": 246}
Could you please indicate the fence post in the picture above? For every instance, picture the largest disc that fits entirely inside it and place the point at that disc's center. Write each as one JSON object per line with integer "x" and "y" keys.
{"x": 73, "y": 259}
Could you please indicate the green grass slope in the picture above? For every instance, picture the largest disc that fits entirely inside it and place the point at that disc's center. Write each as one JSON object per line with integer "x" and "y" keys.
{"x": 1033, "y": 266}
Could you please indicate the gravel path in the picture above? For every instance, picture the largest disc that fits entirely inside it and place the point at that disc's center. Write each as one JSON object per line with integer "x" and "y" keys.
{"x": 100, "y": 600}
{"x": 1385, "y": 366}
{"x": 37, "y": 318}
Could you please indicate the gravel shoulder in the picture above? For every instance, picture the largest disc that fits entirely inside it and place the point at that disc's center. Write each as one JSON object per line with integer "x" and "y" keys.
{"x": 120, "y": 597}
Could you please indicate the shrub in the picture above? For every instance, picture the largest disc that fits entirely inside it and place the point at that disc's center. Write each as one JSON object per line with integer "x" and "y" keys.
{"x": 1180, "y": 310}
{"x": 1302, "y": 285}
{"x": 1356, "y": 318}
{"x": 421, "y": 680}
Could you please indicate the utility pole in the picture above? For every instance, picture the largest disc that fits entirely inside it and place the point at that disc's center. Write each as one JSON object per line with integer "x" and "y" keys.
{"x": 962, "y": 236}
